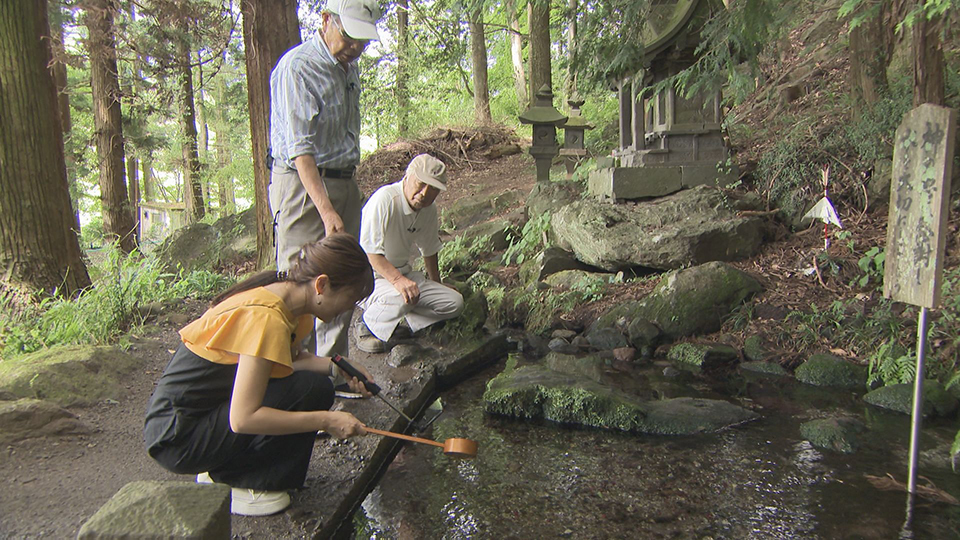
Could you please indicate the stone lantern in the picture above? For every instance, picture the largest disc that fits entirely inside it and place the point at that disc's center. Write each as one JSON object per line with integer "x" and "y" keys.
{"x": 545, "y": 119}
{"x": 574, "y": 145}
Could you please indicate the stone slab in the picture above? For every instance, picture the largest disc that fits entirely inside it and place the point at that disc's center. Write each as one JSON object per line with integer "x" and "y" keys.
{"x": 162, "y": 510}
{"x": 634, "y": 182}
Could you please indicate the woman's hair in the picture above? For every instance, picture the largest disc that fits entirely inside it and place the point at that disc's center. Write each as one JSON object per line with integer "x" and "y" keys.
{"x": 337, "y": 255}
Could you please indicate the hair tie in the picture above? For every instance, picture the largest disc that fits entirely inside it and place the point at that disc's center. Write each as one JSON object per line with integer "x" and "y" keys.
{"x": 282, "y": 275}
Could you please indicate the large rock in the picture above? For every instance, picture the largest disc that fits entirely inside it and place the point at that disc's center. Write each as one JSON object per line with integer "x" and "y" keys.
{"x": 68, "y": 376}
{"x": 552, "y": 196}
{"x": 548, "y": 262}
{"x": 27, "y": 418}
{"x": 685, "y": 303}
{"x": 691, "y": 227}
{"x": 497, "y": 231}
{"x": 471, "y": 210}
{"x": 899, "y": 398}
{"x": 828, "y": 370}
{"x": 702, "y": 355}
{"x": 535, "y": 392}
{"x": 162, "y": 510}
{"x": 837, "y": 434}
{"x": 200, "y": 246}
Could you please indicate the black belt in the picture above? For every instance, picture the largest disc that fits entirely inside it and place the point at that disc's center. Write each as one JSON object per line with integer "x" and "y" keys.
{"x": 336, "y": 173}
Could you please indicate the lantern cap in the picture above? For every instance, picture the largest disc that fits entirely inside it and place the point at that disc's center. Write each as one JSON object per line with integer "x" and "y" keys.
{"x": 542, "y": 110}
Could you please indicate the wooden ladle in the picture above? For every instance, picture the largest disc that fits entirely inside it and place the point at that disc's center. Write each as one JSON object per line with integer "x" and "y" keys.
{"x": 460, "y": 448}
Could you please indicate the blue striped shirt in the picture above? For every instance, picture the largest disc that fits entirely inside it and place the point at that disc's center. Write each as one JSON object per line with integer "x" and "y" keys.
{"x": 315, "y": 107}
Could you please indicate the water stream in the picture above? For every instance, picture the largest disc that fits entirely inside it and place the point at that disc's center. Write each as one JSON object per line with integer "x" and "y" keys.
{"x": 759, "y": 480}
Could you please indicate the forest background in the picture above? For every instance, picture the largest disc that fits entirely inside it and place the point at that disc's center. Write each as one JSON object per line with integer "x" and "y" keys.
{"x": 108, "y": 104}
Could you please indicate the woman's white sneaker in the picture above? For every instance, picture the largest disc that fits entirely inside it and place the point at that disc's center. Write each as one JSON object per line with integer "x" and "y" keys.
{"x": 249, "y": 502}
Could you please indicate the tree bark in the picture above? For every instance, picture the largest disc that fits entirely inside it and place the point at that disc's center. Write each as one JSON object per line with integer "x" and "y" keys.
{"x": 928, "y": 62}
{"x": 149, "y": 191}
{"x": 38, "y": 247}
{"x": 478, "y": 55}
{"x": 403, "y": 65}
{"x": 107, "y": 121}
{"x": 516, "y": 54}
{"x": 269, "y": 29}
{"x": 571, "y": 47}
{"x": 192, "y": 191}
{"x": 133, "y": 185}
{"x": 538, "y": 11}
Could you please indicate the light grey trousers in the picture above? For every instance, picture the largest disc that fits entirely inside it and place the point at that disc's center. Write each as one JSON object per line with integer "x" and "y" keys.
{"x": 297, "y": 222}
{"x": 384, "y": 308}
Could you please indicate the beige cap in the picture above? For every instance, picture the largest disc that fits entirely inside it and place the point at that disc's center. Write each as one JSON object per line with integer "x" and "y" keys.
{"x": 359, "y": 17}
{"x": 428, "y": 170}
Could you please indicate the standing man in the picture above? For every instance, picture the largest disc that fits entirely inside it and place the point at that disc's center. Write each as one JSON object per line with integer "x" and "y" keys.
{"x": 315, "y": 141}
{"x": 396, "y": 218}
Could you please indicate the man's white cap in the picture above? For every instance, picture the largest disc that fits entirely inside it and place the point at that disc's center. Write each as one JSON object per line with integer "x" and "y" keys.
{"x": 429, "y": 170}
{"x": 359, "y": 17}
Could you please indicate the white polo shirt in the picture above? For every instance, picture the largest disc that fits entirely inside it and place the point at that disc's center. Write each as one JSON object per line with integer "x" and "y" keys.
{"x": 391, "y": 227}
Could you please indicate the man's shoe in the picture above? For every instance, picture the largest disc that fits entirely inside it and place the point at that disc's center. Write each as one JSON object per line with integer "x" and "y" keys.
{"x": 250, "y": 502}
{"x": 371, "y": 344}
{"x": 360, "y": 328}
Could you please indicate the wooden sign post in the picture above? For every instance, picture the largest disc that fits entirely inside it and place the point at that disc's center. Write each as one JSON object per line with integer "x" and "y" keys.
{"x": 916, "y": 229}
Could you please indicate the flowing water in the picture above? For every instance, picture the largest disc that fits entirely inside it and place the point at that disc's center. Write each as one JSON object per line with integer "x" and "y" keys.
{"x": 758, "y": 480}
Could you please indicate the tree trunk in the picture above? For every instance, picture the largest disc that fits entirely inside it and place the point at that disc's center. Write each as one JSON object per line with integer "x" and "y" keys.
{"x": 38, "y": 247}
{"x": 269, "y": 29}
{"x": 133, "y": 188}
{"x": 928, "y": 63}
{"x": 107, "y": 122}
{"x": 516, "y": 54}
{"x": 149, "y": 191}
{"x": 59, "y": 67}
{"x": 478, "y": 55}
{"x": 538, "y": 11}
{"x": 871, "y": 46}
{"x": 192, "y": 191}
{"x": 221, "y": 127}
{"x": 571, "y": 48}
{"x": 403, "y": 61}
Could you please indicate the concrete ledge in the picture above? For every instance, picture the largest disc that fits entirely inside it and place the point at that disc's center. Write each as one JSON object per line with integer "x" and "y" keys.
{"x": 167, "y": 510}
{"x": 654, "y": 181}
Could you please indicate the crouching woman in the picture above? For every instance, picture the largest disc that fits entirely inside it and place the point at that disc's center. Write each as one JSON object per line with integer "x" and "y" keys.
{"x": 240, "y": 403}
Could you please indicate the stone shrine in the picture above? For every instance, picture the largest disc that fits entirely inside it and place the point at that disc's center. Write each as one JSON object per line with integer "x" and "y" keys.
{"x": 667, "y": 142}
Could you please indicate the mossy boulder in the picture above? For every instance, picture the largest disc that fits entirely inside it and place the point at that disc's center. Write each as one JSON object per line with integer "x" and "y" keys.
{"x": 497, "y": 232}
{"x": 551, "y": 196}
{"x": 578, "y": 279}
{"x": 68, "y": 376}
{"x": 690, "y": 227}
{"x": 828, "y": 370}
{"x": 899, "y": 398}
{"x": 28, "y": 418}
{"x": 702, "y": 355}
{"x": 468, "y": 211}
{"x": 687, "y": 302}
{"x": 536, "y": 392}
{"x": 588, "y": 367}
{"x": 550, "y": 261}
{"x": 230, "y": 239}
{"x": 771, "y": 369}
{"x": 836, "y": 434}
{"x": 754, "y": 350}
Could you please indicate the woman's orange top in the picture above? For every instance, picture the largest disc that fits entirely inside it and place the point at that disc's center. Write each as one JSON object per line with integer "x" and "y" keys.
{"x": 255, "y": 323}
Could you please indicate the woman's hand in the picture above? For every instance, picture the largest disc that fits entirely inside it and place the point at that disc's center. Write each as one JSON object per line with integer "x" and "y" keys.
{"x": 343, "y": 425}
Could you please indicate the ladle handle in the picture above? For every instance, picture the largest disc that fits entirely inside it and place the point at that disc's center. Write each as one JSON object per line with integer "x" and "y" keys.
{"x": 342, "y": 363}
{"x": 402, "y": 436}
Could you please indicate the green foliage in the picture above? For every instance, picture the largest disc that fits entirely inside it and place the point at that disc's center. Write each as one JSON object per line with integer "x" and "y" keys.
{"x": 101, "y": 313}
{"x": 463, "y": 254}
{"x": 888, "y": 366}
{"x": 531, "y": 240}
{"x": 871, "y": 264}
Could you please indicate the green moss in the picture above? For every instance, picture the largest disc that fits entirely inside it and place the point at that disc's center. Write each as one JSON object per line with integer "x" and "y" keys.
{"x": 828, "y": 370}
{"x": 837, "y": 434}
{"x": 75, "y": 375}
{"x": 899, "y": 398}
{"x": 765, "y": 368}
{"x": 701, "y": 355}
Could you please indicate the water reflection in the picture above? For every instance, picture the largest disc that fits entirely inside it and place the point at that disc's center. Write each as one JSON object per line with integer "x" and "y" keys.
{"x": 761, "y": 481}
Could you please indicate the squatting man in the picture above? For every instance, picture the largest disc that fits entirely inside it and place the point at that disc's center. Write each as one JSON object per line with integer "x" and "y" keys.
{"x": 397, "y": 218}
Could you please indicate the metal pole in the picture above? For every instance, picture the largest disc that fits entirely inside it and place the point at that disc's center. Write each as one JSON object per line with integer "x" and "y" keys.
{"x": 917, "y": 415}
